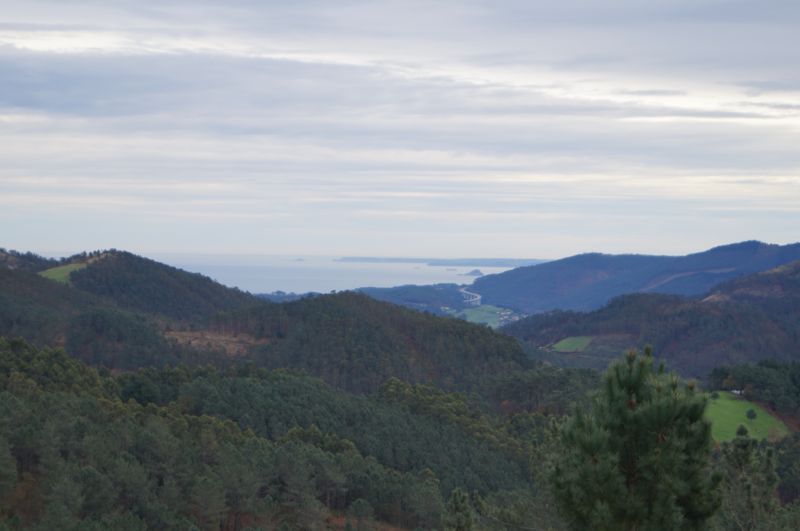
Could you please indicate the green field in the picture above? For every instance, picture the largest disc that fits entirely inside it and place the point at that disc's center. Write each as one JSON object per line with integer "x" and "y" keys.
{"x": 485, "y": 314}
{"x": 729, "y": 411}
{"x": 61, "y": 273}
{"x": 573, "y": 344}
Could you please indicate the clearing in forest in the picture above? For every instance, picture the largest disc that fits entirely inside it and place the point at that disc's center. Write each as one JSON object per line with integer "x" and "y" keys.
{"x": 728, "y": 412}
{"x": 573, "y": 344}
{"x": 61, "y": 273}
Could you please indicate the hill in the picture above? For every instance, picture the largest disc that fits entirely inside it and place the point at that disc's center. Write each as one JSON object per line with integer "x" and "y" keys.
{"x": 435, "y": 298}
{"x": 136, "y": 283}
{"x": 588, "y": 281}
{"x": 93, "y": 329}
{"x": 10, "y": 259}
{"x": 746, "y": 320}
{"x": 356, "y": 343}
{"x": 124, "y": 311}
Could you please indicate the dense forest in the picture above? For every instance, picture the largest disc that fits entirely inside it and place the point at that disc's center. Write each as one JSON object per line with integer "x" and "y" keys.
{"x": 199, "y": 447}
{"x": 749, "y": 319}
{"x": 356, "y": 343}
{"x": 145, "y": 397}
{"x": 424, "y": 298}
{"x": 123, "y": 312}
{"x": 177, "y": 447}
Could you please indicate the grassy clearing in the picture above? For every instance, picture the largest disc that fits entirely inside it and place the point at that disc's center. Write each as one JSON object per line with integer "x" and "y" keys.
{"x": 485, "y": 314}
{"x": 573, "y": 344}
{"x": 729, "y": 411}
{"x": 61, "y": 273}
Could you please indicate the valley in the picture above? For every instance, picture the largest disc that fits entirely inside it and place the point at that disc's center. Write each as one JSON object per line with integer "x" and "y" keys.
{"x": 331, "y": 390}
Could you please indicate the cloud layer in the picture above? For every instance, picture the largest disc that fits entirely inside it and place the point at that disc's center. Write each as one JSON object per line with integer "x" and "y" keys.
{"x": 398, "y": 128}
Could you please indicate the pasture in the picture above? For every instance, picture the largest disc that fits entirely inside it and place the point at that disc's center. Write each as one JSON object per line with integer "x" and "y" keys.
{"x": 728, "y": 412}
{"x": 61, "y": 273}
{"x": 573, "y": 344}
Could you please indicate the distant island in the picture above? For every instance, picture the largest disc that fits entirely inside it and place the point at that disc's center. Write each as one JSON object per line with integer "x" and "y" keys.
{"x": 474, "y": 273}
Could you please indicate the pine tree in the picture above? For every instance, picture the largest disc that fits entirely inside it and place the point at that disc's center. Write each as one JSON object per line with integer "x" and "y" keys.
{"x": 641, "y": 459}
{"x": 750, "y": 484}
{"x": 459, "y": 516}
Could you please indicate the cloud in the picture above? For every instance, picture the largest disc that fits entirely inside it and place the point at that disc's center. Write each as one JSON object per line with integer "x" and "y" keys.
{"x": 314, "y": 124}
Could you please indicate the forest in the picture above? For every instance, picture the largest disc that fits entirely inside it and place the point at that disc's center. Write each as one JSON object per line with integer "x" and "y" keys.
{"x": 753, "y": 318}
{"x": 125, "y": 404}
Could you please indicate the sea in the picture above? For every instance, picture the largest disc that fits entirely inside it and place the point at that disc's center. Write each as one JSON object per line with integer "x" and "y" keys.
{"x": 323, "y": 274}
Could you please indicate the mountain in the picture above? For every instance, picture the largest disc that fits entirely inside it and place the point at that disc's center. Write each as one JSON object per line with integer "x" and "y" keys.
{"x": 141, "y": 284}
{"x": 752, "y": 318}
{"x": 122, "y": 311}
{"x": 588, "y": 281}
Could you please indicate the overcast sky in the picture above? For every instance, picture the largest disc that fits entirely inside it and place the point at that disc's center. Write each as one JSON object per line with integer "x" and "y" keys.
{"x": 437, "y": 128}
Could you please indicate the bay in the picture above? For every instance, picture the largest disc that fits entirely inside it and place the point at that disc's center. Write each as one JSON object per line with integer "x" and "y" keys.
{"x": 322, "y": 274}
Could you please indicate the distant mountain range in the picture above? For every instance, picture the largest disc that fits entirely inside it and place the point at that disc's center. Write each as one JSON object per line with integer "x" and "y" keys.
{"x": 588, "y": 281}
{"x": 745, "y": 320}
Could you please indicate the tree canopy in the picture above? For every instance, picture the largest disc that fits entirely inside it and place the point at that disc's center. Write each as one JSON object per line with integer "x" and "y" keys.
{"x": 640, "y": 459}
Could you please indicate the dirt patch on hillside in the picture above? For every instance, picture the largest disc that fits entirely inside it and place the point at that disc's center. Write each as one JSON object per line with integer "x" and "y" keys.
{"x": 233, "y": 345}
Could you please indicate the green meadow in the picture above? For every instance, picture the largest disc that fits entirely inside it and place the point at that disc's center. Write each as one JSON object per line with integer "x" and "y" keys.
{"x": 485, "y": 314}
{"x": 573, "y": 344}
{"x": 61, "y": 273}
{"x": 728, "y": 412}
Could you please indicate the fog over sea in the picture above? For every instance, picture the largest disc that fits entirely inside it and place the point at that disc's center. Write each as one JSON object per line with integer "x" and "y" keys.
{"x": 301, "y": 274}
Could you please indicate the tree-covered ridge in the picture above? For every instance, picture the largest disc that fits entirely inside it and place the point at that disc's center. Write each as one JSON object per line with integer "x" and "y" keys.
{"x": 431, "y": 298}
{"x": 38, "y": 309}
{"x": 83, "y": 450}
{"x": 11, "y": 259}
{"x": 588, "y": 281}
{"x": 750, "y": 319}
{"x": 125, "y": 312}
{"x": 144, "y": 285}
{"x": 357, "y": 343}
{"x": 89, "y": 327}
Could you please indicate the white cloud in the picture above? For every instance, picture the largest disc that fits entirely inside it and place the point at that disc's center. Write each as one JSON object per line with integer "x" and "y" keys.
{"x": 330, "y": 126}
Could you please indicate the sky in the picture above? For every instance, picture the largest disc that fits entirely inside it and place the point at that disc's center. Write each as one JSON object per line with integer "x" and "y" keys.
{"x": 398, "y": 128}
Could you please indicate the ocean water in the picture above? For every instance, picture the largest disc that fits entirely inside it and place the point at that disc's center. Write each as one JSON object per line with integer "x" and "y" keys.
{"x": 301, "y": 274}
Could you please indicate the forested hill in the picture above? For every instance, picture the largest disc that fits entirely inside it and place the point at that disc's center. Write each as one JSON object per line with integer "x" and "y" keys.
{"x": 141, "y": 284}
{"x": 587, "y": 281}
{"x": 10, "y": 259}
{"x": 123, "y": 311}
{"x": 356, "y": 343}
{"x": 746, "y": 320}
{"x": 183, "y": 448}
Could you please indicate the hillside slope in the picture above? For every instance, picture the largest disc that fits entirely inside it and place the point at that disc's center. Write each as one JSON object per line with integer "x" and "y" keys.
{"x": 746, "y": 320}
{"x": 124, "y": 311}
{"x": 587, "y": 281}
{"x": 137, "y": 283}
{"x": 10, "y": 259}
{"x": 356, "y": 343}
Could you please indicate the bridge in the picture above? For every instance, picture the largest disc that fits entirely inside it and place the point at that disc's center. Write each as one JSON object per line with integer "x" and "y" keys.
{"x": 470, "y": 298}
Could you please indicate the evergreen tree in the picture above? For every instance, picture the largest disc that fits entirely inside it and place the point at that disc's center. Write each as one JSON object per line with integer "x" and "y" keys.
{"x": 750, "y": 484}
{"x": 460, "y": 515}
{"x": 640, "y": 460}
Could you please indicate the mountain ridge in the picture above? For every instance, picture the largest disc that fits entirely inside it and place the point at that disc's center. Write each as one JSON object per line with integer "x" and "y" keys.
{"x": 744, "y": 320}
{"x": 589, "y": 280}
